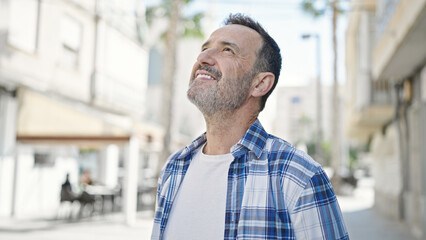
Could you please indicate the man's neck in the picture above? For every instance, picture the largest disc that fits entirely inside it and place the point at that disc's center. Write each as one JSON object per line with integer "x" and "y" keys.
{"x": 224, "y": 130}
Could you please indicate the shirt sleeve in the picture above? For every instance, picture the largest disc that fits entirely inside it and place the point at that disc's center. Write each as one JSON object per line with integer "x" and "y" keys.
{"x": 159, "y": 206}
{"x": 317, "y": 214}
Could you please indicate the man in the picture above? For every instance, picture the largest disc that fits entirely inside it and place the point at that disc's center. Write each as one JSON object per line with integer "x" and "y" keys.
{"x": 236, "y": 181}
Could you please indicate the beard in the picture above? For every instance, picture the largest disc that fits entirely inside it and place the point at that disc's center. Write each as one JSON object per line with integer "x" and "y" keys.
{"x": 213, "y": 98}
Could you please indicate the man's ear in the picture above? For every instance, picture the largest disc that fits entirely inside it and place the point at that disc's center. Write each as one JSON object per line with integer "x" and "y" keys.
{"x": 262, "y": 84}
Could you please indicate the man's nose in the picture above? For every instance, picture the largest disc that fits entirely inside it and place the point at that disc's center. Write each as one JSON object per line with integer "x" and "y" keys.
{"x": 207, "y": 57}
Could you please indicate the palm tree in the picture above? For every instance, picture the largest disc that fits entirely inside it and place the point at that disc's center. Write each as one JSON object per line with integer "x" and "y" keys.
{"x": 178, "y": 27}
{"x": 312, "y": 7}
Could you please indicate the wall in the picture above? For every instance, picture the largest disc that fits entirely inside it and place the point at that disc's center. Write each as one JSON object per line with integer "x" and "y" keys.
{"x": 414, "y": 207}
{"x": 121, "y": 71}
{"x": 386, "y": 170}
{"x": 47, "y": 54}
{"x": 7, "y": 165}
{"x": 37, "y": 187}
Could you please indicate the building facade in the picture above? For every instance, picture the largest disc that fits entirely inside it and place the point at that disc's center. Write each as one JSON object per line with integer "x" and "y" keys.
{"x": 296, "y": 118}
{"x": 386, "y": 103}
{"x": 73, "y": 79}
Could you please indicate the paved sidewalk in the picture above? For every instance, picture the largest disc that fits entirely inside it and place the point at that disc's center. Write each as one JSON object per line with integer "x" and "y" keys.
{"x": 109, "y": 227}
{"x": 363, "y": 222}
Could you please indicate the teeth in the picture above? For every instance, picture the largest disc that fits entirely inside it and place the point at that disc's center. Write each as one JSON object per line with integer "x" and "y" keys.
{"x": 204, "y": 76}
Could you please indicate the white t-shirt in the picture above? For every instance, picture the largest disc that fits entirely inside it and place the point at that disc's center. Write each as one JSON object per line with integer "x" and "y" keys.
{"x": 198, "y": 212}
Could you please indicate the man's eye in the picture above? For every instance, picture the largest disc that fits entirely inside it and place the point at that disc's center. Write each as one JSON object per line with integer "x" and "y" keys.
{"x": 228, "y": 50}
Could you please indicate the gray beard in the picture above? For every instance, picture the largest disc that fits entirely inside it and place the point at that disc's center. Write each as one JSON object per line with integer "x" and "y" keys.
{"x": 211, "y": 100}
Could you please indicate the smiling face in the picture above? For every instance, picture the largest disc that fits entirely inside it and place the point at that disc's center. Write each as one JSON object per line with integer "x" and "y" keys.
{"x": 223, "y": 72}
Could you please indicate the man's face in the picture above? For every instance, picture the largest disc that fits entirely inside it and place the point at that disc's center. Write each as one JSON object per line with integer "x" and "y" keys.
{"x": 222, "y": 74}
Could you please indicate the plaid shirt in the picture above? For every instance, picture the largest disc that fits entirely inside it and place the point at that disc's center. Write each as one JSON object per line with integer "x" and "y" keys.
{"x": 275, "y": 191}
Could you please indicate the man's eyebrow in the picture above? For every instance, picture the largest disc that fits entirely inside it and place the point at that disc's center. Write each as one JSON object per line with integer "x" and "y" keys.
{"x": 223, "y": 43}
{"x": 233, "y": 45}
{"x": 205, "y": 44}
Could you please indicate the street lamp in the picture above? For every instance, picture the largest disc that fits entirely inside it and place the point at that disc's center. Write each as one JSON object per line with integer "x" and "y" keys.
{"x": 319, "y": 104}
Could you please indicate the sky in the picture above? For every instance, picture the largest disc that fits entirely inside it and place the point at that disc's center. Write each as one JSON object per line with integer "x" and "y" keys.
{"x": 285, "y": 22}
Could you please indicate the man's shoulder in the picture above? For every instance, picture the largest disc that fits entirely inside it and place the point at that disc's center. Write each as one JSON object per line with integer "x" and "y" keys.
{"x": 291, "y": 167}
{"x": 291, "y": 160}
{"x": 183, "y": 155}
{"x": 286, "y": 150}
{"x": 185, "y": 151}
{"x": 177, "y": 154}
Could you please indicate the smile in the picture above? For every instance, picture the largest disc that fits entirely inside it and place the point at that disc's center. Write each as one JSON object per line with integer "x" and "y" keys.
{"x": 204, "y": 75}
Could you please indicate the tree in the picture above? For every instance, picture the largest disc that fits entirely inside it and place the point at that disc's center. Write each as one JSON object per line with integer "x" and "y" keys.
{"x": 317, "y": 8}
{"x": 178, "y": 27}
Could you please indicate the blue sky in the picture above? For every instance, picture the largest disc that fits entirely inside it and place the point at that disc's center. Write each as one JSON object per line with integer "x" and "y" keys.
{"x": 285, "y": 22}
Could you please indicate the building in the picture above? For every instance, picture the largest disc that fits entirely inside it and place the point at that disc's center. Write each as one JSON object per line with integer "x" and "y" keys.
{"x": 295, "y": 120}
{"x": 73, "y": 79}
{"x": 296, "y": 115}
{"x": 386, "y": 103}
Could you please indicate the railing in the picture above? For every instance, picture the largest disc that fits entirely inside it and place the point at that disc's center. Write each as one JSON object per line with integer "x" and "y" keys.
{"x": 381, "y": 93}
{"x": 373, "y": 93}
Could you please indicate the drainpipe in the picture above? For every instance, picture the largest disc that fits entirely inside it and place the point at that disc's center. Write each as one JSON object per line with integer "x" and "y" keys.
{"x": 95, "y": 53}
{"x": 401, "y": 149}
{"x": 404, "y": 142}
{"x": 406, "y": 86}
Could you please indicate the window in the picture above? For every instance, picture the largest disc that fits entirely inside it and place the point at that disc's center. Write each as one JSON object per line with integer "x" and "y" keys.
{"x": 23, "y": 24}
{"x": 295, "y": 100}
{"x": 43, "y": 159}
{"x": 71, "y": 42}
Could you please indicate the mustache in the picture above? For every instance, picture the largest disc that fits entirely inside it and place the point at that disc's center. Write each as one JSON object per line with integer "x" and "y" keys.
{"x": 213, "y": 71}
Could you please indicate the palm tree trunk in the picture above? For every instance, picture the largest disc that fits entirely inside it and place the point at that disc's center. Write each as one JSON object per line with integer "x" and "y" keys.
{"x": 335, "y": 159}
{"x": 168, "y": 79}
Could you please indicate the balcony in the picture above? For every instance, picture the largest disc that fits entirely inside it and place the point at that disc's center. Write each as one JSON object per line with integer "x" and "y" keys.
{"x": 369, "y": 99}
{"x": 374, "y": 109}
{"x": 399, "y": 47}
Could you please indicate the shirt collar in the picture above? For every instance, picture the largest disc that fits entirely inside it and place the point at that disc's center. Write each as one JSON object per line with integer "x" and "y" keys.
{"x": 254, "y": 140}
{"x": 192, "y": 146}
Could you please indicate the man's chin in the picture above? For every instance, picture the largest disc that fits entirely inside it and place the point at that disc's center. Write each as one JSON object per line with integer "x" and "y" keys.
{"x": 199, "y": 88}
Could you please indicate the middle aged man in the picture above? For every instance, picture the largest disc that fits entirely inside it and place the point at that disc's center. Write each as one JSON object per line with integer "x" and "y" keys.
{"x": 236, "y": 181}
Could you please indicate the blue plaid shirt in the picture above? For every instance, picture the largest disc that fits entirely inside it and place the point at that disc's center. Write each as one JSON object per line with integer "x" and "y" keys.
{"x": 275, "y": 191}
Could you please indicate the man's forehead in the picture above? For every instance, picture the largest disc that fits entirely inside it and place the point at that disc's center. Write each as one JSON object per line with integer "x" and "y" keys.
{"x": 236, "y": 33}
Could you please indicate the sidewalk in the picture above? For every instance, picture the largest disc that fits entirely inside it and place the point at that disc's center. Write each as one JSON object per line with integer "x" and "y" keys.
{"x": 363, "y": 222}
{"x": 108, "y": 227}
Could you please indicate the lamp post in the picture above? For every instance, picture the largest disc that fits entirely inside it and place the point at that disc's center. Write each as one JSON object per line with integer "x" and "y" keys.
{"x": 319, "y": 98}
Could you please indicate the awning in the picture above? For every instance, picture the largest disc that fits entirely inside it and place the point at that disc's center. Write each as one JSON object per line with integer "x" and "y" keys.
{"x": 42, "y": 119}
